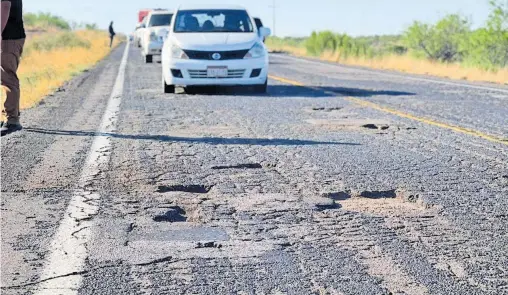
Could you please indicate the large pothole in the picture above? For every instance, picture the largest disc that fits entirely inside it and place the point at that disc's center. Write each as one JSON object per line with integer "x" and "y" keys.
{"x": 394, "y": 201}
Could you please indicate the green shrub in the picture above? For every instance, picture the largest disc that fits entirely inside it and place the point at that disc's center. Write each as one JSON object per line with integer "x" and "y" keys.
{"x": 445, "y": 41}
{"x": 45, "y": 20}
{"x": 452, "y": 40}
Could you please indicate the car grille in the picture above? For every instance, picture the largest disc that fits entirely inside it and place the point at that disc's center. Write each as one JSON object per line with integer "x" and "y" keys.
{"x": 207, "y": 55}
{"x": 203, "y": 74}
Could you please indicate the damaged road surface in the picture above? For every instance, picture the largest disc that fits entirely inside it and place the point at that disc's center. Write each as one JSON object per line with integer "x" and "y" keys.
{"x": 358, "y": 182}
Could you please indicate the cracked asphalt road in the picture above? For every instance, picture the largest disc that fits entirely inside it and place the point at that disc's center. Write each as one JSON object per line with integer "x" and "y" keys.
{"x": 300, "y": 191}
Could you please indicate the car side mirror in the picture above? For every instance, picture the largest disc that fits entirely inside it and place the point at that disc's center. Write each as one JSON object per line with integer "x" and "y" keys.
{"x": 265, "y": 32}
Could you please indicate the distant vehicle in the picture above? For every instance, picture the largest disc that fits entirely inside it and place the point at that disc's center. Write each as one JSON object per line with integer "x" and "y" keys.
{"x": 142, "y": 14}
{"x": 139, "y": 31}
{"x": 214, "y": 45}
{"x": 155, "y": 25}
{"x": 259, "y": 25}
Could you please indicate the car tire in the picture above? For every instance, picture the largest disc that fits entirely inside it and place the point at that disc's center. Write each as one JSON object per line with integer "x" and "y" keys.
{"x": 261, "y": 88}
{"x": 191, "y": 90}
{"x": 167, "y": 88}
{"x": 148, "y": 59}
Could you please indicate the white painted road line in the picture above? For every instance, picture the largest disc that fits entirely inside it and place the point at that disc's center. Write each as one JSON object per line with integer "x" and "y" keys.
{"x": 402, "y": 76}
{"x": 65, "y": 264}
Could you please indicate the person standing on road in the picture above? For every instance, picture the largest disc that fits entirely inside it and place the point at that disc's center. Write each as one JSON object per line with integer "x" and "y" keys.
{"x": 13, "y": 40}
{"x": 111, "y": 34}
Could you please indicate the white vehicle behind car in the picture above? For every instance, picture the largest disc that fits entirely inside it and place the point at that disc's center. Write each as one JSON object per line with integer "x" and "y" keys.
{"x": 156, "y": 25}
{"x": 139, "y": 31}
{"x": 214, "y": 45}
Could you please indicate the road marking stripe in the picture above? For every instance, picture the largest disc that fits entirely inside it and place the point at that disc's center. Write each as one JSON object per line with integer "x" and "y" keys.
{"x": 68, "y": 251}
{"x": 397, "y": 75}
{"x": 378, "y": 107}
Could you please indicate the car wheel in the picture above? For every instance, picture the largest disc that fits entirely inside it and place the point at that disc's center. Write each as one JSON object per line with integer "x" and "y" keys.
{"x": 167, "y": 88}
{"x": 262, "y": 88}
{"x": 148, "y": 59}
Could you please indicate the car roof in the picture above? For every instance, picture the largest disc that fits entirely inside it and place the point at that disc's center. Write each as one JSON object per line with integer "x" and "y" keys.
{"x": 210, "y": 6}
{"x": 161, "y": 12}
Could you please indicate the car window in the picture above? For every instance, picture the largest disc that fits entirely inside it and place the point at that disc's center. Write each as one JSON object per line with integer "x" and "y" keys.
{"x": 159, "y": 20}
{"x": 214, "y": 20}
{"x": 259, "y": 23}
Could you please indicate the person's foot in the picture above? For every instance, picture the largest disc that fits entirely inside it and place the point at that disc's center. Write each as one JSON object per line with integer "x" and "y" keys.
{"x": 8, "y": 128}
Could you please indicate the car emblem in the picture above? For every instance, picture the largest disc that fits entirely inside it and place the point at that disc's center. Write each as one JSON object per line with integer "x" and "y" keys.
{"x": 216, "y": 56}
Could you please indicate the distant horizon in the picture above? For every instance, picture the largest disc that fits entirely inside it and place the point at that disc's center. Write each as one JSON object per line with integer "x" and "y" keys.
{"x": 362, "y": 18}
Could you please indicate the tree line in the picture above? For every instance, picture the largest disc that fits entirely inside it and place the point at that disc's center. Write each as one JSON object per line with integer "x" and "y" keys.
{"x": 450, "y": 40}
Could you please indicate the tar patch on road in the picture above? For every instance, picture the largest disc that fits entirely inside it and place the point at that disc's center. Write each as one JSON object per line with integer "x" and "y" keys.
{"x": 239, "y": 166}
{"x": 195, "y": 189}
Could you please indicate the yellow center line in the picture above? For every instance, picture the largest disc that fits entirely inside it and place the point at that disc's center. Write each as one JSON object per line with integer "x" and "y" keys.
{"x": 378, "y": 107}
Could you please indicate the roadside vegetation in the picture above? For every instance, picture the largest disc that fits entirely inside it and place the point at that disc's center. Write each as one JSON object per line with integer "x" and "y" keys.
{"x": 55, "y": 51}
{"x": 449, "y": 48}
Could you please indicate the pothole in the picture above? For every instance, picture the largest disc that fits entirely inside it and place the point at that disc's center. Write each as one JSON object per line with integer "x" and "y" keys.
{"x": 338, "y": 196}
{"x": 390, "y": 194}
{"x": 174, "y": 214}
{"x": 239, "y": 166}
{"x": 346, "y": 195}
{"x": 322, "y": 203}
{"x": 323, "y": 109}
{"x": 395, "y": 201}
{"x": 195, "y": 189}
{"x": 208, "y": 245}
{"x": 376, "y": 127}
{"x": 351, "y": 123}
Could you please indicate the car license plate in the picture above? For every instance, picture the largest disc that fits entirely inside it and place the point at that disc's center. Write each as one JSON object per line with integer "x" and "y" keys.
{"x": 217, "y": 72}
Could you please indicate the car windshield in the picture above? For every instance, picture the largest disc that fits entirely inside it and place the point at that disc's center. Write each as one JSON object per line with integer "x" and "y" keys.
{"x": 159, "y": 20}
{"x": 213, "y": 21}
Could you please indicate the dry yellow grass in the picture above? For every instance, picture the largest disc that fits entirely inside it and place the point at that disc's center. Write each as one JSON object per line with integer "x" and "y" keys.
{"x": 410, "y": 65}
{"x": 42, "y": 72}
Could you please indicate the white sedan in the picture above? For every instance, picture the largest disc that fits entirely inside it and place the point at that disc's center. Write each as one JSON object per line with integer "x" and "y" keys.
{"x": 156, "y": 23}
{"x": 214, "y": 45}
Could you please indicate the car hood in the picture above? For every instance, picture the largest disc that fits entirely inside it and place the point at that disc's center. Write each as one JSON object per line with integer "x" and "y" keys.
{"x": 214, "y": 41}
{"x": 158, "y": 30}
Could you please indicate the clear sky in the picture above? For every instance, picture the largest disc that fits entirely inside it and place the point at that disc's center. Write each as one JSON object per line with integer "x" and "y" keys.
{"x": 294, "y": 17}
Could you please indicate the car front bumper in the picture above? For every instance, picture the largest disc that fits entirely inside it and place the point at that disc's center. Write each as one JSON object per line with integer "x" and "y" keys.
{"x": 194, "y": 72}
{"x": 153, "y": 48}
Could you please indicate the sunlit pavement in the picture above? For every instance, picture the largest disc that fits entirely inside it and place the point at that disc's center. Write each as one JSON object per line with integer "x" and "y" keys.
{"x": 338, "y": 181}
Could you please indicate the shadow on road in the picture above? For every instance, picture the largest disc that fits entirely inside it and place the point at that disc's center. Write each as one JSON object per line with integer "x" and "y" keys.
{"x": 204, "y": 140}
{"x": 357, "y": 92}
{"x": 296, "y": 91}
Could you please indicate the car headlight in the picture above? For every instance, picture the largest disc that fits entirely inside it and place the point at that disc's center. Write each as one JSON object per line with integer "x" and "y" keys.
{"x": 257, "y": 51}
{"x": 177, "y": 52}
